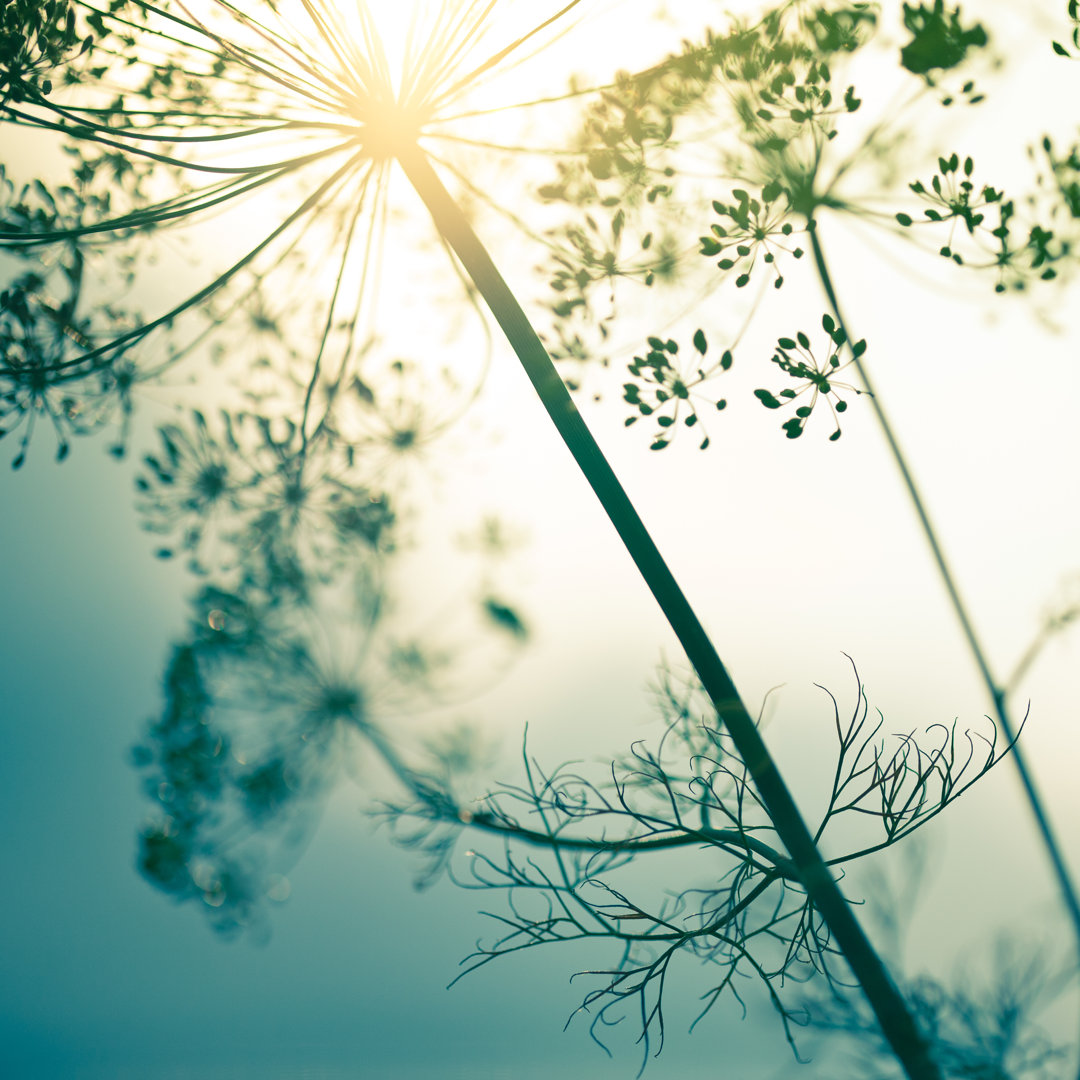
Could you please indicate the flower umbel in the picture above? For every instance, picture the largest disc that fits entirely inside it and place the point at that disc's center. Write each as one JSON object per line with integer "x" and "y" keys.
{"x": 296, "y": 110}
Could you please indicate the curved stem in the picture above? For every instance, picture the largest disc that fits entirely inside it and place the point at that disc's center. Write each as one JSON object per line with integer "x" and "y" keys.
{"x": 892, "y": 1013}
{"x": 998, "y": 694}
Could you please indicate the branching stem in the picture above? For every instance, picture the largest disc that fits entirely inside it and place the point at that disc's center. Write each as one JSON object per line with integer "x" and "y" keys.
{"x": 885, "y": 999}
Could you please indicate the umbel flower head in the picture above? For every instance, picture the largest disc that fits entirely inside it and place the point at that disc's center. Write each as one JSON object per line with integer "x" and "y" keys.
{"x": 278, "y": 687}
{"x": 176, "y": 115}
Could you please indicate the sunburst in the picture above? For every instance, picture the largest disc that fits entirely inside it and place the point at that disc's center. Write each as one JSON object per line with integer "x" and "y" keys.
{"x": 295, "y": 111}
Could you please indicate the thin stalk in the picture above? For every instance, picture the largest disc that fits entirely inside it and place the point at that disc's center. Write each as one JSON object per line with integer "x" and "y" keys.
{"x": 998, "y": 694}
{"x": 892, "y": 1013}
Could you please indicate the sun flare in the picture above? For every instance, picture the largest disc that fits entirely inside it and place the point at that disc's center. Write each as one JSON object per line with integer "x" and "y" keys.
{"x": 290, "y": 117}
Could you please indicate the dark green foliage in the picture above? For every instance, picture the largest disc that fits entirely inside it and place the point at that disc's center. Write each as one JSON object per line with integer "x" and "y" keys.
{"x": 287, "y": 507}
{"x": 749, "y": 918}
{"x": 752, "y": 227}
{"x": 1073, "y": 11}
{"x": 1065, "y": 172}
{"x": 36, "y": 36}
{"x": 842, "y": 28}
{"x": 952, "y": 198}
{"x": 796, "y": 359}
{"x": 616, "y": 176}
{"x": 775, "y": 79}
{"x": 777, "y": 75}
{"x": 785, "y": 68}
{"x": 667, "y": 392}
{"x": 506, "y": 618}
{"x": 50, "y": 368}
{"x": 953, "y": 195}
{"x": 939, "y": 41}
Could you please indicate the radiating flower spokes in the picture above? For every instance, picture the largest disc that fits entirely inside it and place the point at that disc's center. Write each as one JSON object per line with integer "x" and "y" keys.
{"x": 294, "y": 110}
{"x": 277, "y": 688}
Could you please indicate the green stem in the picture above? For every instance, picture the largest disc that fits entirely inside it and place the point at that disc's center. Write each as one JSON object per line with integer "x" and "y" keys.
{"x": 885, "y": 999}
{"x": 997, "y": 694}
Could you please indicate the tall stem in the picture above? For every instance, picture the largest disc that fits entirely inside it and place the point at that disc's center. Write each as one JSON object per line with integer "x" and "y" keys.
{"x": 997, "y": 693}
{"x": 885, "y": 999}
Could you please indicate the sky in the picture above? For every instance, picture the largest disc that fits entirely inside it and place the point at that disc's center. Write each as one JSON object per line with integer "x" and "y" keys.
{"x": 796, "y": 553}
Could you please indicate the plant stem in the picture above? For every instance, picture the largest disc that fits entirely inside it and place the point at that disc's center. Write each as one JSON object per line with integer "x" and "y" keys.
{"x": 997, "y": 693}
{"x": 885, "y": 999}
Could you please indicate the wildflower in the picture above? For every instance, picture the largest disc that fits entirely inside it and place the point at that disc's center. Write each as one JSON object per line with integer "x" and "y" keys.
{"x": 663, "y": 391}
{"x": 208, "y": 106}
{"x": 258, "y": 500}
{"x": 753, "y": 227}
{"x": 795, "y": 357}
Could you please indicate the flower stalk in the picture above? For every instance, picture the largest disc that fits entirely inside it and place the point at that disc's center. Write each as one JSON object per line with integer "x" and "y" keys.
{"x": 896, "y": 1021}
{"x": 998, "y": 694}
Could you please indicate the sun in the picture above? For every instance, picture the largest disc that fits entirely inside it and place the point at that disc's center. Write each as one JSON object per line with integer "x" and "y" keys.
{"x": 292, "y": 118}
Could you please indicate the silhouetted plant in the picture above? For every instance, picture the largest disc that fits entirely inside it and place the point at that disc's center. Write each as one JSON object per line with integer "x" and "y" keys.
{"x": 34, "y": 39}
{"x": 693, "y": 791}
{"x": 753, "y": 228}
{"x": 311, "y": 106}
{"x": 777, "y": 82}
{"x": 49, "y": 337}
{"x": 795, "y": 358}
{"x": 1073, "y": 9}
{"x": 666, "y": 393}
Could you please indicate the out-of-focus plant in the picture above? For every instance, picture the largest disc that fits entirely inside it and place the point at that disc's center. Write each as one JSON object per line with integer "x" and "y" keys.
{"x": 987, "y": 1020}
{"x": 35, "y": 38}
{"x": 987, "y": 1029}
{"x": 299, "y": 655}
{"x": 281, "y": 684}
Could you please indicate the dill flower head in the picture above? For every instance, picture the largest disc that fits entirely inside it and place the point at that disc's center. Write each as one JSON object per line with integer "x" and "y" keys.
{"x": 233, "y": 162}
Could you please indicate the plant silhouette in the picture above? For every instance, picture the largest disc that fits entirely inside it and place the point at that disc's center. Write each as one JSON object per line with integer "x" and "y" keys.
{"x": 171, "y": 117}
{"x": 692, "y": 791}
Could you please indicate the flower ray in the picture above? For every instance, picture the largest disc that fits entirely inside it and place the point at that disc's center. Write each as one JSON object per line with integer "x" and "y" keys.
{"x": 501, "y": 55}
{"x": 256, "y": 62}
{"x": 429, "y": 76}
